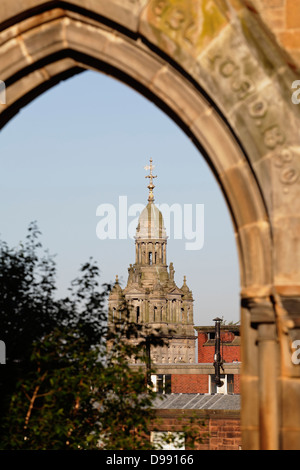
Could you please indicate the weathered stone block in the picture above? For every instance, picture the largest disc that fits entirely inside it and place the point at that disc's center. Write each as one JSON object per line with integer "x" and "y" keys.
{"x": 13, "y": 57}
{"x": 124, "y": 12}
{"x": 179, "y": 94}
{"x": 286, "y": 252}
{"x": 182, "y": 28}
{"x": 290, "y": 412}
{"x": 45, "y": 40}
{"x": 241, "y": 187}
{"x": 137, "y": 62}
{"x": 216, "y": 140}
{"x": 256, "y": 257}
{"x": 85, "y": 38}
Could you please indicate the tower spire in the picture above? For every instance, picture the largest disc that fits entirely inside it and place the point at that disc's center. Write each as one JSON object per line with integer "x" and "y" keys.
{"x": 150, "y": 176}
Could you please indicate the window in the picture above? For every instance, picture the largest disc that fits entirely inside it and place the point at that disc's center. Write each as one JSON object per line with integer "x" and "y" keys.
{"x": 161, "y": 383}
{"x": 226, "y": 388}
{"x": 230, "y": 383}
{"x": 213, "y": 386}
{"x": 167, "y": 440}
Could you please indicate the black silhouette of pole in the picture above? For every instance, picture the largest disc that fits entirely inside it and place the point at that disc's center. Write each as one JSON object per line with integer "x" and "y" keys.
{"x": 218, "y": 363}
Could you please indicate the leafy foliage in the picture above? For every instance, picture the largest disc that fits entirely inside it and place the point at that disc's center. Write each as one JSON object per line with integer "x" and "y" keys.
{"x": 67, "y": 383}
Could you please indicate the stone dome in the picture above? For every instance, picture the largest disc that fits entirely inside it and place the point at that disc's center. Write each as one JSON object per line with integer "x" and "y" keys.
{"x": 151, "y": 224}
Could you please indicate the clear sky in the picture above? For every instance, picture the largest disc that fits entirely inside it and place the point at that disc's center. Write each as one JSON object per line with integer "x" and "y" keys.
{"x": 85, "y": 143}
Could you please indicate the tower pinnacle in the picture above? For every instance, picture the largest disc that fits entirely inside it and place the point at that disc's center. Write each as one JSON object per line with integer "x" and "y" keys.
{"x": 150, "y": 176}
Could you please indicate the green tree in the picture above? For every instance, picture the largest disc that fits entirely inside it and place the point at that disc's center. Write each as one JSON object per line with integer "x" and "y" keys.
{"x": 67, "y": 383}
{"x": 75, "y": 397}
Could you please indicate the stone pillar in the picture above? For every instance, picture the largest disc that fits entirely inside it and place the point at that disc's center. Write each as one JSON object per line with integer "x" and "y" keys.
{"x": 269, "y": 370}
{"x": 288, "y": 314}
{"x": 249, "y": 383}
{"x": 260, "y": 376}
{"x": 136, "y": 253}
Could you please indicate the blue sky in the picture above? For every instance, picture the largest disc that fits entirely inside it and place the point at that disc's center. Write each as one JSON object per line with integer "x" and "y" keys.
{"x": 84, "y": 143}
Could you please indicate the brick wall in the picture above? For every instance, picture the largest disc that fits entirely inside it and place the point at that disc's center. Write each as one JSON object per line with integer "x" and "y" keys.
{"x": 189, "y": 383}
{"x": 199, "y": 383}
{"x": 230, "y": 352}
{"x": 192, "y": 383}
{"x": 236, "y": 384}
{"x": 218, "y": 429}
{"x": 224, "y": 434}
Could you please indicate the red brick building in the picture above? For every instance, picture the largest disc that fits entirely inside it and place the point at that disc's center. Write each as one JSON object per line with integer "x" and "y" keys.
{"x": 199, "y": 377}
{"x": 190, "y": 394}
{"x": 216, "y": 419}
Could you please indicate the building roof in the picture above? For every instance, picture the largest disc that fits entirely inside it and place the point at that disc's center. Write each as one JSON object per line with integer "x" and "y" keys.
{"x": 211, "y": 328}
{"x": 196, "y": 401}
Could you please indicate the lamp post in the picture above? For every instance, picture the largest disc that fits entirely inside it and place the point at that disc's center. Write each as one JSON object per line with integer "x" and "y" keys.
{"x": 218, "y": 361}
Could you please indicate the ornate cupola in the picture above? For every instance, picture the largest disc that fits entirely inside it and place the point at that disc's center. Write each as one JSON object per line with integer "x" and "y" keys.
{"x": 151, "y": 294}
{"x": 151, "y": 241}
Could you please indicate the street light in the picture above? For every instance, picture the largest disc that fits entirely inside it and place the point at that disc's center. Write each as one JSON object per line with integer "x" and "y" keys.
{"x": 218, "y": 360}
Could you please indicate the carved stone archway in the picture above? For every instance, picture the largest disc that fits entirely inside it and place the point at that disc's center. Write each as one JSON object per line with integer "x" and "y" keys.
{"x": 214, "y": 68}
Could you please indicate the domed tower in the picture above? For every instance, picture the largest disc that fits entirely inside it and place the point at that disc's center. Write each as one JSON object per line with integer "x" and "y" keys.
{"x": 151, "y": 294}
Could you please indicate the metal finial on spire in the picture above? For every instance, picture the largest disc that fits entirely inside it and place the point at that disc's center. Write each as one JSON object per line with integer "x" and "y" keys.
{"x": 150, "y": 185}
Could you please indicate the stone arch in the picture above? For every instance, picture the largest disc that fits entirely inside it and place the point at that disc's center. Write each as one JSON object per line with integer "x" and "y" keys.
{"x": 233, "y": 106}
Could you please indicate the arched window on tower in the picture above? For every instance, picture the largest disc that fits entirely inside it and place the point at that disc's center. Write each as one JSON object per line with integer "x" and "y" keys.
{"x": 150, "y": 257}
{"x": 137, "y": 314}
